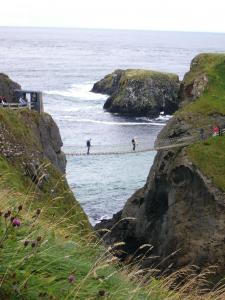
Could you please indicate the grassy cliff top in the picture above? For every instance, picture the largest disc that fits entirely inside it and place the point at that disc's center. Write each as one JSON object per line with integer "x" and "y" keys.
{"x": 140, "y": 74}
{"x": 208, "y": 110}
{"x": 209, "y": 156}
{"x": 212, "y": 101}
{"x": 203, "y": 63}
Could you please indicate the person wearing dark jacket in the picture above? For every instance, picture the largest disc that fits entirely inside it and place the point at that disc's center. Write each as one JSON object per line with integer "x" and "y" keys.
{"x": 88, "y": 146}
{"x": 134, "y": 144}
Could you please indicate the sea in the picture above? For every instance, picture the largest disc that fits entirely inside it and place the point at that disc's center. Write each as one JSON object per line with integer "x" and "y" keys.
{"x": 64, "y": 64}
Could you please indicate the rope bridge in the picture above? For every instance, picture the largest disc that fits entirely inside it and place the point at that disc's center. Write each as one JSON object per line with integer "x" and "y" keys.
{"x": 160, "y": 144}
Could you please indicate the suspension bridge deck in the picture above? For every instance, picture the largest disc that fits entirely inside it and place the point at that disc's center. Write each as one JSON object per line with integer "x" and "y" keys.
{"x": 120, "y": 150}
{"x": 160, "y": 144}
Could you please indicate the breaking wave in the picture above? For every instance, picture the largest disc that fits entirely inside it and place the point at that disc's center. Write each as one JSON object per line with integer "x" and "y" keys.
{"x": 80, "y": 91}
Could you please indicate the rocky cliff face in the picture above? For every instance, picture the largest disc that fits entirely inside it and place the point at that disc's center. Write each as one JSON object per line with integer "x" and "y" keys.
{"x": 195, "y": 82}
{"x": 44, "y": 129}
{"x": 44, "y": 138}
{"x": 178, "y": 212}
{"x": 181, "y": 211}
{"x": 7, "y": 87}
{"x": 140, "y": 92}
{"x": 48, "y": 135}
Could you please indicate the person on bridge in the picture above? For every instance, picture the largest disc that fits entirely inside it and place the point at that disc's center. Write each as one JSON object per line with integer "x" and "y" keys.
{"x": 88, "y": 146}
{"x": 134, "y": 144}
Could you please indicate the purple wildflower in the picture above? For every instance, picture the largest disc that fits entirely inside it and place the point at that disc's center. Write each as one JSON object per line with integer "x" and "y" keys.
{"x": 16, "y": 222}
{"x": 71, "y": 279}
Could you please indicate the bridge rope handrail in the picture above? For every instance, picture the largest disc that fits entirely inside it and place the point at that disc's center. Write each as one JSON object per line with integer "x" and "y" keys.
{"x": 160, "y": 144}
{"x": 179, "y": 143}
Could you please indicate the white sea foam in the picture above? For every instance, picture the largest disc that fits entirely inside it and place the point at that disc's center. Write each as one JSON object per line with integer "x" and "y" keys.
{"x": 80, "y": 91}
{"x": 119, "y": 123}
{"x": 163, "y": 118}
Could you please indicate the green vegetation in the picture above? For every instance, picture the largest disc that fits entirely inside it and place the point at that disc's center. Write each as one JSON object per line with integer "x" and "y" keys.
{"x": 140, "y": 74}
{"x": 39, "y": 257}
{"x": 52, "y": 251}
{"x": 13, "y": 121}
{"x": 209, "y": 156}
{"x": 212, "y": 100}
{"x": 207, "y": 111}
{"x": 46, "y": 255}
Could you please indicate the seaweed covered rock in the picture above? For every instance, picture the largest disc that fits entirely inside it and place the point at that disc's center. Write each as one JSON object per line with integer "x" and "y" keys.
{"x": 140, "y": 92}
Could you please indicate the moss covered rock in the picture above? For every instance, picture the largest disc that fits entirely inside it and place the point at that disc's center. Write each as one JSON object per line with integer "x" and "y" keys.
{"x": 140, "y": 92}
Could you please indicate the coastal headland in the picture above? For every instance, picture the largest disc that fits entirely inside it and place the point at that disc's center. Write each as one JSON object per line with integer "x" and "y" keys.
{"x": 49, "y": 249}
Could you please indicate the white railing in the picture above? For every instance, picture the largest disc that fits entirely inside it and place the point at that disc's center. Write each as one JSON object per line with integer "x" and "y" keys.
{"x": 14, "y": 105}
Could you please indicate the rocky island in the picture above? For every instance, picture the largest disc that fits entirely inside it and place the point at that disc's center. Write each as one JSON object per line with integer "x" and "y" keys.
{"x": 140, "y": 92}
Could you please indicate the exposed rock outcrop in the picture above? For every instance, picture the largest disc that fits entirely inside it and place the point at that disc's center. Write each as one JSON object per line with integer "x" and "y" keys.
{"x": 48, "y": 135}
{"x": 195, "y": 82}
{"x": 180, "y": 211}
{"x": 140, "y": 92}
{"x": 44, "y": 129}
{"x": 51, "y": 141}
{"x": 7, "y": 87}
{"x": 45, "y": 141}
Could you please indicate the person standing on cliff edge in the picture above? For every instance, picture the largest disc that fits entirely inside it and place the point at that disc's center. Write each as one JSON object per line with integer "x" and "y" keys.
{"x": 88, "y": 146}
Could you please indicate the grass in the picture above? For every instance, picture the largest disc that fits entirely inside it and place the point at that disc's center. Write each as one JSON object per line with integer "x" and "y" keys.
{"x": 55, "y": 240}
{"x": 208, "y": 111}
{"x": 60, "y": 249}
{"x": 209, "y": 156}
{"x": 18, "y": 130}
{"x": 139, "y": 74}
{"x": 64, "y": 243}
{"x": 213, "y": 99}
{"x": 38, "y": 258}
